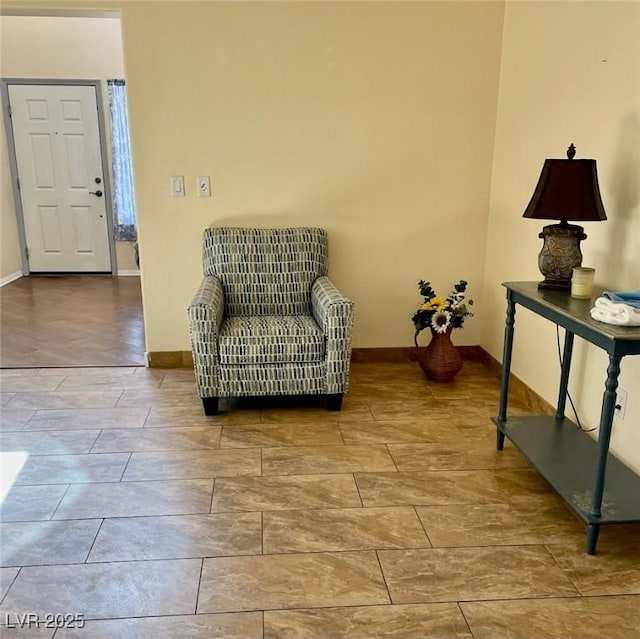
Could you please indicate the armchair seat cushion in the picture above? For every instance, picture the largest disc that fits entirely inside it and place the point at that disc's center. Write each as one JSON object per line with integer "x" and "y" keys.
{"x": 270, "y": 339}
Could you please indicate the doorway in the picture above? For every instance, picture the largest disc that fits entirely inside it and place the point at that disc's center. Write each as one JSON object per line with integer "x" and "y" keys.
{"x": 56, "y": 143}
{"x": 88, "y": 317}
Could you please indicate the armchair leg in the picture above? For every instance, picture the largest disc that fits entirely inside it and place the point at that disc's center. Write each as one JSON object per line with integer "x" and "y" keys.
{"x": 210, "y": 405}
{"x": 334, "y": 402}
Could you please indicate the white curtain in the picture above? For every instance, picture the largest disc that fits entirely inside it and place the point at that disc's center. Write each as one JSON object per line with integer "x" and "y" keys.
{"x": 124, "y": 207}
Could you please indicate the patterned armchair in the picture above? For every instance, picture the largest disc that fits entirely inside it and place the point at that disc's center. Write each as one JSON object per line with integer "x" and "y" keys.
{"x": 266, "y": 319}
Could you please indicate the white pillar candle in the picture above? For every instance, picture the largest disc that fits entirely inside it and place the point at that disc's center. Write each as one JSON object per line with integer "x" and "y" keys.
{"x": 582, "y": 282}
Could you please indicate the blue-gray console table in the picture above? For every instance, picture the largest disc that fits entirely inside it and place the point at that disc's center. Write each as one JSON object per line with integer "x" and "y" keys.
{"x": 597, "y": 485}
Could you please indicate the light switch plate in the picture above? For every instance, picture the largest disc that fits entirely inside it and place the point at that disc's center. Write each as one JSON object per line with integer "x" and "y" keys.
{"x": 177, "y": 185}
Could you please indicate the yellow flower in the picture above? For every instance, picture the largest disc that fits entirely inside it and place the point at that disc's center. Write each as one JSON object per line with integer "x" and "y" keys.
{"x": 426, "y": 307}
{"x": 438, "y": 303}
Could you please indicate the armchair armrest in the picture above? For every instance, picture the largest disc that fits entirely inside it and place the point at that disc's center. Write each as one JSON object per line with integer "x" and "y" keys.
{"x": 334, "y": 314}
{"x": 207, "y": 306}
{"x": 205, "y": 318}
{"x": 330, "y": 308}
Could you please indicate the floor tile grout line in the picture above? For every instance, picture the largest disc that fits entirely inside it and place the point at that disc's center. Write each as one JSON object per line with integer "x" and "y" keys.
{"x": 188, "y": 614}
{"x": 13, "y": 581}
{"x": 33, "y": 412}
{"x": 252, "y": 475}
{"x": 55, "y": 510}
{"x": 146, "y": 419}
{"x": 93, "y": 543}
{"x": 392, "y": 457}
{"x": 199, "y": 513}
{"x": 95, "y": 441}
{"x": 327, "y": 551}
{"x": 248, "y": 556}
{"x": 213, "y": 490}
{"x": 117, "y": 402}
{"x": 195, "y": 610}
{"x": 355, "y": 481}
{"x": 331, "y": 551}
{"x": 126, "y": 465}
{"x": 287, "y": 510}
{"x": 219, "y": 442}
{"x": 162, "y": 377}
{"x": 143, "y": 481}
{"x": 384, "y": 578}
{"x": 562, "y": 570}
{"x": 544, "y": 598}
{"x": 302, "y": 508}
{"x": 466, "y": 621}
{"x": 341, "y": 433}
{"x": 67, "y": 454}
{"x": 60, "y": 383}
{"x": 73, "y": 430}
{"x": 121, "y": 516}
{"x": 420, "y": 602}
{"x": 415, "y": 509}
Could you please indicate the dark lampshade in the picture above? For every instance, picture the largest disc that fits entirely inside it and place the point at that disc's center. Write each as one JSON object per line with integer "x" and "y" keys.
{"x": 566, "y": 190}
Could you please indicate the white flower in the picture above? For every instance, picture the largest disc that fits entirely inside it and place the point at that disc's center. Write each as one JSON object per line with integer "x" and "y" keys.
{"x": 440, "y": 321}
{"x": 457, "y": 299}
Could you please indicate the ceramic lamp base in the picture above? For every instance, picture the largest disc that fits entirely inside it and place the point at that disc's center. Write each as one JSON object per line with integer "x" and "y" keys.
{"x": 560, "y": 254}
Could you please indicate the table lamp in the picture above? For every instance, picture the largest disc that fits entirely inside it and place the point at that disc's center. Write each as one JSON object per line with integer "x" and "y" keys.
{"x": 566, "y": 190}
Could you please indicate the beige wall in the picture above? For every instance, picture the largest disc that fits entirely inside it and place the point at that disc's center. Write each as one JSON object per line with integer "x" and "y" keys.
{"x": 60, "y": 48}
{"x": 570, "y": 73}
{"x": 373, "y": 120}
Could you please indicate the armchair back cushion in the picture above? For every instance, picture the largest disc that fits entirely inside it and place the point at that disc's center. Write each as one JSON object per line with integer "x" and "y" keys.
{"x": 265, "y": 271}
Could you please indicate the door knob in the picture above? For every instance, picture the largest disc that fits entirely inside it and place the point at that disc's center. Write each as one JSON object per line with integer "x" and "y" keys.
{"x": 96, "y": 193}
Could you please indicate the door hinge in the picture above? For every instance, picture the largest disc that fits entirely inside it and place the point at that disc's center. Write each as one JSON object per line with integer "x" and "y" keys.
{"x": 9, "y": 110}
{"x": 18, "y": 182}
{"x": 26, "y": 251}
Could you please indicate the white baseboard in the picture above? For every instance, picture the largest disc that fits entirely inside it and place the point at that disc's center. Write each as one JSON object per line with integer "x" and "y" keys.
{"x": 10, "y": 278}
{"x": 127, "y": 272}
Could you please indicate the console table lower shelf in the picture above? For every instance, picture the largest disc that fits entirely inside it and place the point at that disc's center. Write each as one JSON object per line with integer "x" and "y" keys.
{"x": 566, "y": 457}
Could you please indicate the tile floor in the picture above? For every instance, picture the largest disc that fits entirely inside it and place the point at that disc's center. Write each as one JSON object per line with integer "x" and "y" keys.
{"x": 394, "y": 518}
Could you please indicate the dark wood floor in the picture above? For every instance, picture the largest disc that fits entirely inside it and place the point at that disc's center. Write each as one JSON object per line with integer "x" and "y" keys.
{"x": 60, "y": 321}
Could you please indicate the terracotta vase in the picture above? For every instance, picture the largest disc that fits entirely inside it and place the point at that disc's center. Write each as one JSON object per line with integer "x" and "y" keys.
{"x": 440, "y": 360}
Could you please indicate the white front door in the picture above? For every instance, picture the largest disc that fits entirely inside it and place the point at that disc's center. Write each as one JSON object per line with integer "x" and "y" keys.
{"x": 58, "y": 156}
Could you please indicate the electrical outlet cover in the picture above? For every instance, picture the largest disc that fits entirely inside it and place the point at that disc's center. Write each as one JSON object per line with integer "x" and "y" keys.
{"x": 204, "y": 186}
{"x": 621, "y": 401}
